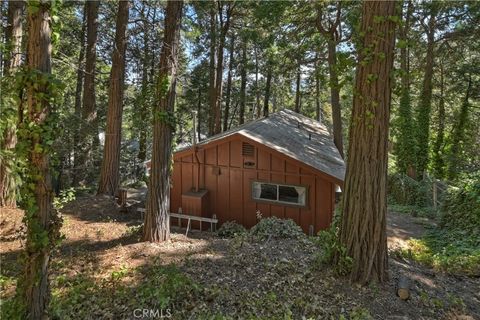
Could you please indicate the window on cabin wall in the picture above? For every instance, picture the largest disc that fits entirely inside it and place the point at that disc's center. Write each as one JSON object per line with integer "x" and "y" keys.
{"x": 279, "y": 193}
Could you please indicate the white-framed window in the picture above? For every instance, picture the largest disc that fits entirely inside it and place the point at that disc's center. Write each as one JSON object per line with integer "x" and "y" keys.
{"x": 279, "y": 193}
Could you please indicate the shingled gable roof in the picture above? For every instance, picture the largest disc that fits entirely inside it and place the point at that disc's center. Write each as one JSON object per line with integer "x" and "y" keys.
{"x": 288, "y": 132}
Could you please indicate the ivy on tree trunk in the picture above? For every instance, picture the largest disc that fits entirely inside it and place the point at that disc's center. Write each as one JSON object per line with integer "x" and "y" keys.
{"x": 363, "y": 225}
{"x": 37, "y": 134}
{"x": 157, "y": 226}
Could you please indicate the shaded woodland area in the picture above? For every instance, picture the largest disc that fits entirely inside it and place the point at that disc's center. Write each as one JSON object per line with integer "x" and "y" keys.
{"x": 92, "y": 90}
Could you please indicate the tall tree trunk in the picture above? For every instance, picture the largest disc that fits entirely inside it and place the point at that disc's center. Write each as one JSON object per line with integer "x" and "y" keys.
{"x": 438, "y": 158}
{"x": 318, "y": 104}
{"x": 257, "y": 88}
{"x": 199, "y": 114}
{"x": 109, "y": 175}
{"x": 297, "y": 90}
{"x": 13, "y": 39}
{"x": 267, "y": 91}
{"x": 229, "y": 84}
{"x": 78, "y": 98}
{"x": 425, "y": 103}
{"x": 157, "y": 227}
{"x": 405, "y": 148}
{"x": 458, "y": 135}
{"x": 219, "y": 86}
{"x": 243, "y": 83}
{"x": 147, "y": 56}
{"x": 13, "y": 36}
{"x": 224, "y": 26}
{"x": 363, "y": 226}
{"x": 212, "y": 71}
{"x": 41, "y": 219}
{"x": 89, "y": 113}
{"x": 335, "y": 95}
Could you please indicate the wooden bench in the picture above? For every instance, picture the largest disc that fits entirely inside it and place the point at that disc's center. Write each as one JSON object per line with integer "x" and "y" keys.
{"x": 213, "y": 221}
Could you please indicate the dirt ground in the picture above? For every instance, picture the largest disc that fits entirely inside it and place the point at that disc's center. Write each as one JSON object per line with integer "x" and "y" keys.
{"x": 245, "y": 277}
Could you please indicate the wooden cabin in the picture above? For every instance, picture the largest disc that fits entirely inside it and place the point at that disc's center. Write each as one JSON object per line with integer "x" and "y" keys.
{"x": 284, "y": 165}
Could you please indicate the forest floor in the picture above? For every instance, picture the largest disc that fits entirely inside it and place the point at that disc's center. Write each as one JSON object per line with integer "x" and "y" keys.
{"x": 102, "y": 271}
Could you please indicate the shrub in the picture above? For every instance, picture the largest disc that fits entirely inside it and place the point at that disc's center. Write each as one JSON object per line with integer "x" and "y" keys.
{"x": 276, "y": 228}
{"x": 65, "y": 196}
{"x": 330, "y": 247}
{"x": 231, "y": 229}
{"x": 461, "y": 207}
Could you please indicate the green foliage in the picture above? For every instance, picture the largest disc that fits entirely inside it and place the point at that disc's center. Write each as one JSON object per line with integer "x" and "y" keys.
{"x": 454, "y": 247}
{"x": 461, "y": 207}
{"x": 276, "y": 228}
{"x": 65, "y": 196}
{"x": 405, "y": 146}
{"x": 332, "y": 252}
{"x": 115, "y": 297}
{"x": 231, "y": 229}
{"x": 450, "y": 251}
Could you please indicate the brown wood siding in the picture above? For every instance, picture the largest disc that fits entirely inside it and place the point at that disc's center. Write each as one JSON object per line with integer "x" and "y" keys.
{"x": 222, "y": 172}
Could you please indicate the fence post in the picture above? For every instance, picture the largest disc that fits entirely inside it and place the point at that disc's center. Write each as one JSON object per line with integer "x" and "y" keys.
{"x": 435, "y": 194}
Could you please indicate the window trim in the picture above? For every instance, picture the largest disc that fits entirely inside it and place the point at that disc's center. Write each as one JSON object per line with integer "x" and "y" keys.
{"x": 278, "y": 202}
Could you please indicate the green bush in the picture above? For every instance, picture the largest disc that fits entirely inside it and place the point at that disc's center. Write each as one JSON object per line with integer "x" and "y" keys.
{"x": 330, "y": 247}
{"x": 231, "y": 229}
{"x": 276, "y": 228}
{"x": 65, "y": 196}
{"x": 461, "y": 207}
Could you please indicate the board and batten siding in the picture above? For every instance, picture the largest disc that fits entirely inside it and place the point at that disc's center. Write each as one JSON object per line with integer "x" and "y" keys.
{"x": 222, "y": 173}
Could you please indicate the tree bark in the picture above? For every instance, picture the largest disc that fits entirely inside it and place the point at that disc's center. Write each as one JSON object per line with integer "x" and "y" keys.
{"x": 257, "y": 89}
{"x": 267, "y": 91}
{"x": 425, "y": 103}
{"x": 318, "y": 104}
{"x": 363, "y": 226}
{"x": 335, "y": 96}
{"x": 199, "y": 114}
{"x": 157, "y": 225}
{"x": 224, "y": 26}
{"x": 13, "y": 36}
{"x": 109, "y": 175}
{"x": 89, "y": 128}
{"x": 332, "y": 34}
{"x": 78, "y": 98}
{"x": 229, "y": 84}
{"x": 243, "y": 83}
{"x": 212, "y": 72}
{"x": 297, "y": 91}
{"x": 147, "y": 56}
{"x": 406, "y": 140}
{"x": 13, "y": 39}
{"x": 42, "y": 222}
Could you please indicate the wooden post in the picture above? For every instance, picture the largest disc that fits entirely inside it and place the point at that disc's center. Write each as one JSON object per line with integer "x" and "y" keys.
{"x": 435, "y": 194}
